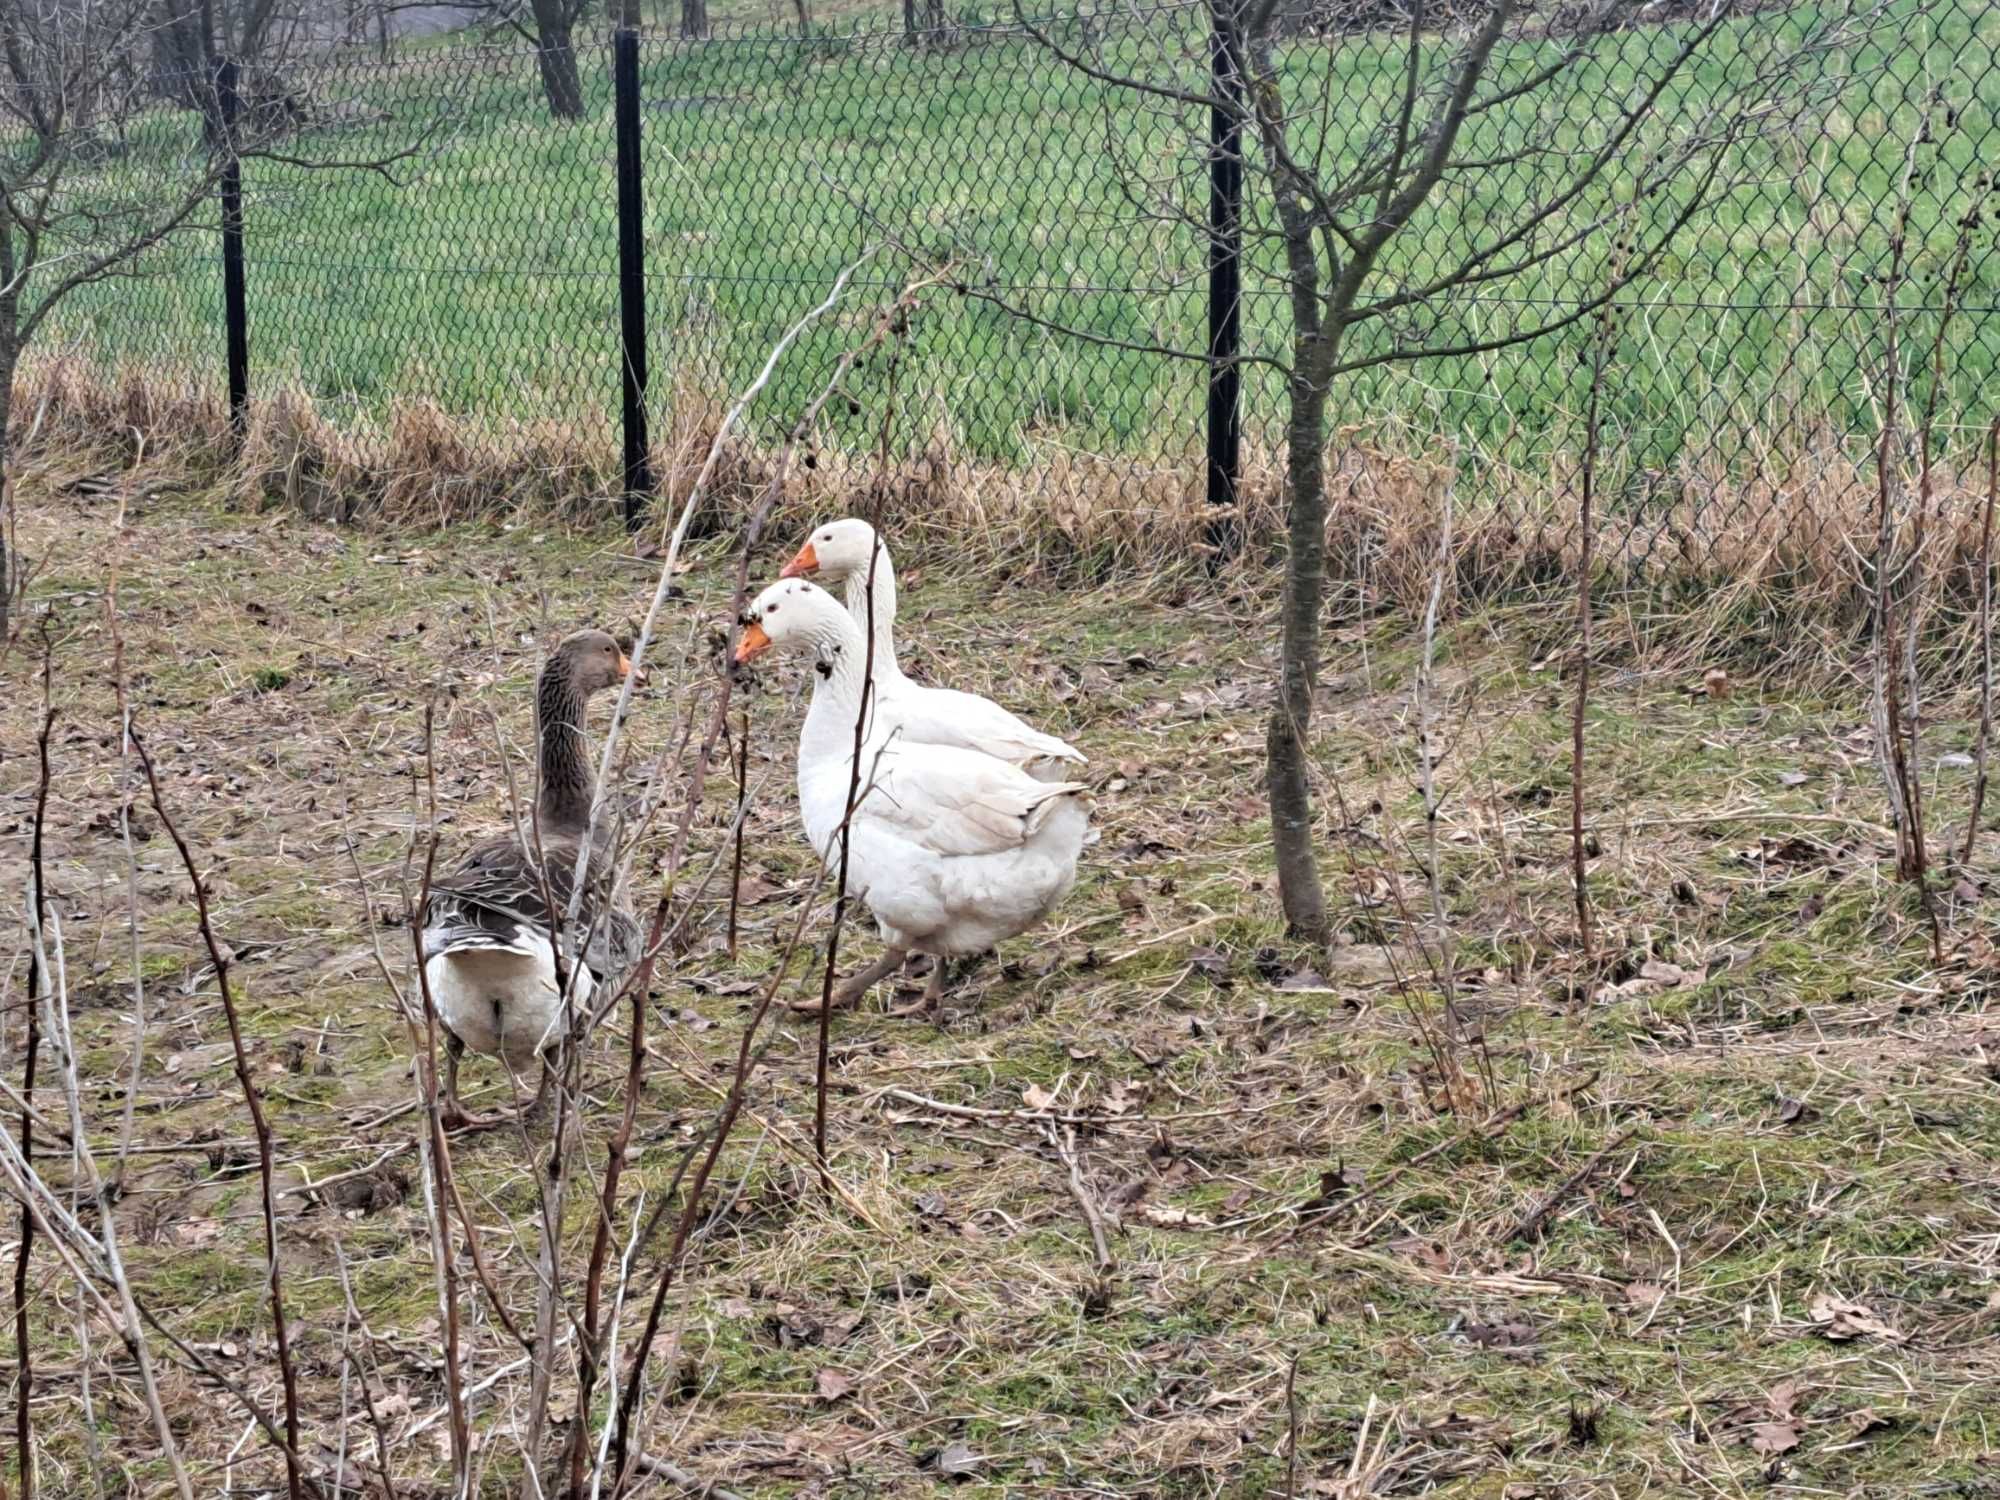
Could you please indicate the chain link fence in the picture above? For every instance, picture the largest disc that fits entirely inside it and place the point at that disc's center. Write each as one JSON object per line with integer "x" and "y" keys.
{"x": 444, "y": 333}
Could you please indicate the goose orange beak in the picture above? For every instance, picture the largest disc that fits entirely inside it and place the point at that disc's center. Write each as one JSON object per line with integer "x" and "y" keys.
{"x": 753, "y": 645}
{"x": 624, "y": 665}
{"x": 806, "y": 562}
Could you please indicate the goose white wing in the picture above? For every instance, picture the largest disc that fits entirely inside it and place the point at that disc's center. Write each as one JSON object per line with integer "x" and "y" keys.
{"x": 958, "y": 802}
{"x": 946, "y": 716}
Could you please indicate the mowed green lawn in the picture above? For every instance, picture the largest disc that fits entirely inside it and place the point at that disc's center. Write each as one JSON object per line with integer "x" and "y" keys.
{"x": 482, "y": 271}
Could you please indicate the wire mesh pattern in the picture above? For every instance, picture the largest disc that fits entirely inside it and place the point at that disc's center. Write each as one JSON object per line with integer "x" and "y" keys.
{"x": 1800, "y": 183}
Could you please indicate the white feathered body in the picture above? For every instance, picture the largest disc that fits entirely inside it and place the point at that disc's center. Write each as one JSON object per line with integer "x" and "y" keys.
{"x": 499, "y": 995}
{"x": 953, "y": 850}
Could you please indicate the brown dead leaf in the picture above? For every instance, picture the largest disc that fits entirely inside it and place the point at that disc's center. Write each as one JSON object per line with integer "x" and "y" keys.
{"x": 1644, "y": 1295}
{"x": 1037, "y": 1097}
{"x": 1774, "y": 1438}
{"x": 1510, "y": 1336}
{"x": 1841, "y": 1320}
{"x": 753, "y": 889}
{"x": 832, "y": 1385}
{"x": 1423, "y": 1252}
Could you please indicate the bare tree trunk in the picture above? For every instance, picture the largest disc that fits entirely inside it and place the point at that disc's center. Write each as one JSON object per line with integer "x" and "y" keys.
{"x": 1287, "y": 739}
{"x": 555, "y": 54}
{"x": 804, "y": 9}
{"x": 923, "y": 22}
{"x": 694, "y": 18}
{"x": 9, "y": 563}
{"x": 182, "y": 59}
{"x": 1316, "y": 337}
{"x": 10, "y": 318}
{"x": 254, "y": 24}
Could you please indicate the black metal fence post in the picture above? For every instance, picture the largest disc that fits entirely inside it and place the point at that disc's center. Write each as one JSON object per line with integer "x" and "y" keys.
{"x": 1225, "y": 252}
{"x": 631, "y": 274}
{"x": 235, "y": 312}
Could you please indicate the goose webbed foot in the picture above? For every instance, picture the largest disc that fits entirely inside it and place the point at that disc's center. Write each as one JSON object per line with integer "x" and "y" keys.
{"x": 926, "y": 1003}
{"x": 458, "y": 1121}
{"x": 452, "y": 1115}
{"x": 852, "y": 989}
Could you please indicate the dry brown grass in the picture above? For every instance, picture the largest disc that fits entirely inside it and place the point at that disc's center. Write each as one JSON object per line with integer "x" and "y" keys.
{"x": 1771, "y": 531}
{"x": 1806, "y": 1093}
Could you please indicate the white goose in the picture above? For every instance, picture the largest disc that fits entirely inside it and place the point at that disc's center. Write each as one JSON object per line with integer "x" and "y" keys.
{"x": 839, "y": 552}
{"x": 953, "y": 851}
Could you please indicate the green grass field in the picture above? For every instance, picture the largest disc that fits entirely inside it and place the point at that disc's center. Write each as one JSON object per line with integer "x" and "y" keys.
{"x": 484, "y": 276}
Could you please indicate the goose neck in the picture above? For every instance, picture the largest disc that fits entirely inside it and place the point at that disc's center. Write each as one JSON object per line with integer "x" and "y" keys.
{"x": 567, "y": 785}
{"x": 840, "y": 675}
{"x": 877, "y": 600}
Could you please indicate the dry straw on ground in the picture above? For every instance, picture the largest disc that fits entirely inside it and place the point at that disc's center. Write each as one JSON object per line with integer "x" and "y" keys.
{"x": 1774, "y": 533}
{"x": 1715, "y": 1216}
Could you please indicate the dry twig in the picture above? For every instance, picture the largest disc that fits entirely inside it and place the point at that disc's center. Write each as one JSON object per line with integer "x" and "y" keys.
{"x": 253, "y": 1100}
{"x": 1533, "y": 1219}
{"x": 1984, "y": 740}
{"x": 1064, "y": 1144}
{"x": 24, "y": 1354}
